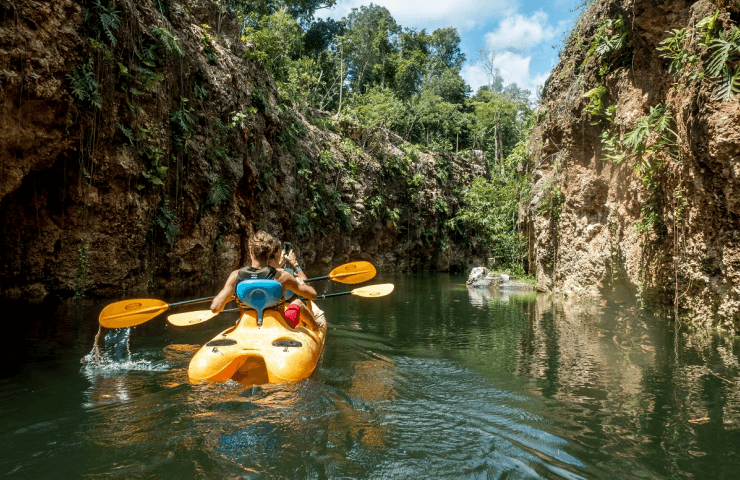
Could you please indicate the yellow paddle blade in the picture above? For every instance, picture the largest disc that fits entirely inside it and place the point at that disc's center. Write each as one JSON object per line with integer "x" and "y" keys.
{"x": 373, "y": 290}
{"x": 191, "y": 318}
{"x": 129, "y": 313}
{"x": 351, "y": 273}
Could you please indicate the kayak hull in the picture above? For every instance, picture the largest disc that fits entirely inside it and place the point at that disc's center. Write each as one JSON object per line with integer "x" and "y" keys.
{"x": 254, "y": 355}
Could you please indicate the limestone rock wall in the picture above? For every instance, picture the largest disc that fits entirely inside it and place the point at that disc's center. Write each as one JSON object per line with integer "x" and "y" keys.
{"x": 586, "y": 216}
{"x": 159, "y": 184}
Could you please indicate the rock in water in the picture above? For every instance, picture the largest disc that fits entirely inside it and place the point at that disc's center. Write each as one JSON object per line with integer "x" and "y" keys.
{"x": 481, "y": 277}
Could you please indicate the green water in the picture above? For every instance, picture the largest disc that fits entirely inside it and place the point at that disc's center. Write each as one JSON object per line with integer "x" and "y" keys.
{"x": 430, "y": 382}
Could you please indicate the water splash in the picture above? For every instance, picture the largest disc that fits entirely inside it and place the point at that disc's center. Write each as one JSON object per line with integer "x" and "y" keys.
{"x": 115, "y": 355}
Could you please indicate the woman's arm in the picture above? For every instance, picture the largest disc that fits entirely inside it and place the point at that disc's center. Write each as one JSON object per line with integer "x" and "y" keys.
{"x": 291, "y": 260}
{"x": 290, "y": 283}
{"x": 226, "y": 294}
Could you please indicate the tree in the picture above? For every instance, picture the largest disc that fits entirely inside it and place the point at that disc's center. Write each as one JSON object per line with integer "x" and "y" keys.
{"x": 449, "y": 85}
{"x": 367, "y": 45}
{"x": 445, "y": 50}
{"x": 253, "y": 10}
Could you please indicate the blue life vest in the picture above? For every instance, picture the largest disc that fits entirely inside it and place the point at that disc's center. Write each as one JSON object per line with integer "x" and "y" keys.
{"x": 256, "y": 289}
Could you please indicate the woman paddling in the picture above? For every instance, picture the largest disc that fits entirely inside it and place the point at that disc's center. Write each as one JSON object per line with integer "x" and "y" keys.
{"x": 286, "y": 260}
{"x": 261, "y": 250}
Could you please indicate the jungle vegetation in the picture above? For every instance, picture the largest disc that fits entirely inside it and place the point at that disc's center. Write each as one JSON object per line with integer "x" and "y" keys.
{"x": 369, "y": 69}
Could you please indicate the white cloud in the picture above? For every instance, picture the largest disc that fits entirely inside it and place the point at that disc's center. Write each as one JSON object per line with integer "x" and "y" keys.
{"x": 474, "y": 75}
{"x": 514, "y": 68}
{"x": 521, "y": 33}
{"x": 463, "y": 14}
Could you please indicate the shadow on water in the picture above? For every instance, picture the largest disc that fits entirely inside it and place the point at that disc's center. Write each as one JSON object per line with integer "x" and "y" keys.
{"x": 434, "y": 381}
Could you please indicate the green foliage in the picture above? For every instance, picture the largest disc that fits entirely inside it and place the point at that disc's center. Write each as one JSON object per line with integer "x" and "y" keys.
{"x": 552, "y": 200}
{"x": 208, "y": 47}
{"x": 728, "y": 83}
{"x": 652, "y": 135}
{"x": 127, "y": 133}
{"x": 648, "y": 145}
{"x": 344, "y": 212}
{"x": 325, "y": 123}
{"x": 610, "y": 45}
{"x": 169, "y": 41}
{"x": 199, "y": 92}
{"x": 164, "y": 6}
{"x": 415, "y": 183}
{"x": 167, "y": 222}
{"x": 723, "y": 65}
{"x": 374, "y": 207}
{"x": 157, "y": 173}
{"x": 327, "y": 163}
{"x": 290, "y": 135}
{"x": 182, "y": 121}
{"x": 707, "y": 26}
{"x": 379, "y": 107}
{"x": 349, "y": 148}
{"x": 102, "y": 20}
{"x": 304, "y": 224}
{"x": 612, "y": 145}
{"x": 392, "y": 216}
{"x": 492, "y": 209}
{"x": 143, "y": 75}
{"x": 275, "y": 38}
{"x": 84, "y": 86}
{"x": 596, "y": 108}
{"x": 650, "y": 219}
{"x": 442, "y": 168}
{"x": 253, "y": 10}
{"x": 219, "y": 192}
{"x": 440, "y": 206}
{"x": 675, "y": 49}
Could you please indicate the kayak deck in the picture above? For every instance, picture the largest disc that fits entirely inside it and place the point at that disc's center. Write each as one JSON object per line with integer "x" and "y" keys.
{"x": 253, "y": 355}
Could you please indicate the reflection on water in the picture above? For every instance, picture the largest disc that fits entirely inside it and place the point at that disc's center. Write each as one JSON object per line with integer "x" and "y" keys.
{"x": 435, "y": 381}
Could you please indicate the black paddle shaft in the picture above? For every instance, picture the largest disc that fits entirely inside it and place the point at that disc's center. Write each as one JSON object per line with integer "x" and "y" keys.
{"x": 186, "y": 302}
{"x": 322, "y": 297}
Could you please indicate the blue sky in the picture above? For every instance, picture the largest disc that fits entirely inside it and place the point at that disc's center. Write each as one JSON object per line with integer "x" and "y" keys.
{"x": 521, "y": 32}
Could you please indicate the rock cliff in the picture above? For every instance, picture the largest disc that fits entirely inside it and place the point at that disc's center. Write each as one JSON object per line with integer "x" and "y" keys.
{"x": 142, "y": 153}
{"x": 637, "y": 154}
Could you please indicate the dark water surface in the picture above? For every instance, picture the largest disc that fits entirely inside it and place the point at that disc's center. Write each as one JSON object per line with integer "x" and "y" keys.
{"x": 430, "y": 382}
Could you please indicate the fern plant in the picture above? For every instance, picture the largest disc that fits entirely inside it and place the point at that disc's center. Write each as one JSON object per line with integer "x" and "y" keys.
{"x": 182, "y": 122}
{"x": 103, "y": 20}
{"x": 169, "y": 41}
{"x": 219, "y": 192}
{"x": 167, "y": 221}
{"x": 84, "y": 86}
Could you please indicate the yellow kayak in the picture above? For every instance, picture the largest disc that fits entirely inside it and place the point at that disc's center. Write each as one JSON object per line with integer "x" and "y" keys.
{"x": 251, "y": 354}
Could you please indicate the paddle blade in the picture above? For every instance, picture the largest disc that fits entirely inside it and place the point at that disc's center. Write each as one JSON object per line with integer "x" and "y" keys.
{"x": 372, "y": 291}
{"x": 191, "y": 318}
{"x": 129, "y": 313}
{"x": 352, "y": 273}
